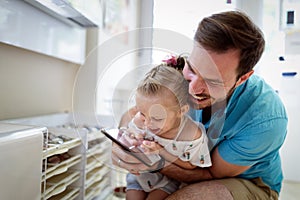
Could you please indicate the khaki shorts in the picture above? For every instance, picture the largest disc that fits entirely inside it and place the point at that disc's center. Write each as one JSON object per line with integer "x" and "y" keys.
{"x": 248, "y": 189}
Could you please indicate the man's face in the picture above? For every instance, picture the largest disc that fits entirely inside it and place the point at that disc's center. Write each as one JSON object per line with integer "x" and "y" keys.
{"x": 212, "y": 76}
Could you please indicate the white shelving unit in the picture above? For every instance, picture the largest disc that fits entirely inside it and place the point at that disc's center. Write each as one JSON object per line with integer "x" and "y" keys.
{"x": 75, "y": 157}
{"x": 97, "y": 171}
{"x": 63, "y": 165}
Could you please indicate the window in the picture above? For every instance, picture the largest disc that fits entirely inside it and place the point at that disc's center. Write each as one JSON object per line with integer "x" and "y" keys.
{"x": 183, "y": 17}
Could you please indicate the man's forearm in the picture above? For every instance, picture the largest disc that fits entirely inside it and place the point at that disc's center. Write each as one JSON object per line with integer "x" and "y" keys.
{"x": 186, "y": 175}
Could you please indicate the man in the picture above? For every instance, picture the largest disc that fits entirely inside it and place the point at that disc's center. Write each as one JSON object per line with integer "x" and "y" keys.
{"x": 245, "y": 119}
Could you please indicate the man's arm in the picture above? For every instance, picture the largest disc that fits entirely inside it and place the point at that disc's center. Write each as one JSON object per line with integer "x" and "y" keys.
{"x": 219, "y": 169}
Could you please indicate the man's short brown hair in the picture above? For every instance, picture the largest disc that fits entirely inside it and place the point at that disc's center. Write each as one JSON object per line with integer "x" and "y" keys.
{"x": 232, "y": 30}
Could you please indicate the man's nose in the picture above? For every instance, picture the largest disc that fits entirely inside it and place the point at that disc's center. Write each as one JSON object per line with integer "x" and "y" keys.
{"x": 197, "y": 85}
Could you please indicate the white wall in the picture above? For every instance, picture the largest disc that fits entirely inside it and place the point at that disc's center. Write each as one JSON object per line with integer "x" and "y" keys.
{"x": 40, "y": 59}
{"x": 33, "y": 84}
{"x": 290, "y": 94}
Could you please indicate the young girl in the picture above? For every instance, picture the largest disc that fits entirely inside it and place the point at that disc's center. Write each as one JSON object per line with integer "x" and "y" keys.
{"x": 162, "y": 105}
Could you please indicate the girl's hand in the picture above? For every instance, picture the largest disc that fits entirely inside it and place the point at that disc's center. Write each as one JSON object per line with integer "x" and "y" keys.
{"x": 151, "y": 146}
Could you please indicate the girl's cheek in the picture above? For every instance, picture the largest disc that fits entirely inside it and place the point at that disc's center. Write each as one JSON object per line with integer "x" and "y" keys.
{"x": 162, "y": 124}
{"x": 158, "y": 125}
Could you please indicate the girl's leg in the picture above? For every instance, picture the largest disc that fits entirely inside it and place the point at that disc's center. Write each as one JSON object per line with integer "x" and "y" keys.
{"x": 136, "y": 195}
{"x": 157, "y": 195}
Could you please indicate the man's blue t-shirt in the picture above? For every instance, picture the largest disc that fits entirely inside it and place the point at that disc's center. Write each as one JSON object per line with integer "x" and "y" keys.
{"x": 250, "y": 131}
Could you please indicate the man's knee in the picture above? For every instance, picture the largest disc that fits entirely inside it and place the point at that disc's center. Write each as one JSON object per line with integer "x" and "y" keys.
{"x": 208, "y": 190}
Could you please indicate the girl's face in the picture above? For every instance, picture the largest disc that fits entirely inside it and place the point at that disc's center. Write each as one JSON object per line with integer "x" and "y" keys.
{"x": 159, "y": 113}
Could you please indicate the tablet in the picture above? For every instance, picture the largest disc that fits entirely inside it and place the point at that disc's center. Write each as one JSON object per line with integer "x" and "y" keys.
{"x": 136, "y": 151}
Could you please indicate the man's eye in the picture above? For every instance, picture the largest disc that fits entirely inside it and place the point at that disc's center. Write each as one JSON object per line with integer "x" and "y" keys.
{"x": 190, "y": 67}
{"x": 214, "y": 83}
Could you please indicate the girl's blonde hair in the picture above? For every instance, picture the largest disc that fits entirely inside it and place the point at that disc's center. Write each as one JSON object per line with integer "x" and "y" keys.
{"x": 165, "y": 77}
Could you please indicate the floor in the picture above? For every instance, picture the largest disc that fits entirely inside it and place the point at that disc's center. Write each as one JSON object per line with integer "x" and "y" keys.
{"x": 290, "y": 191}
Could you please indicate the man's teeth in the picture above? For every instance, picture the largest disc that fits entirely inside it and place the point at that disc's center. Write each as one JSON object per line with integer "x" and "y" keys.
{"x": 199, "y": 98}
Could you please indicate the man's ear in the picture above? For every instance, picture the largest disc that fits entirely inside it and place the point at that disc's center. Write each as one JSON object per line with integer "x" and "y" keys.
{"x": 184, "y": 109}
{"x": 243, "y": 78}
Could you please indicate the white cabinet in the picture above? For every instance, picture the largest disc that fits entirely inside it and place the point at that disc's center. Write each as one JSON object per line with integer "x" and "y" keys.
{"x": 25, "y": 26}
{"x": 21, "y": 150}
